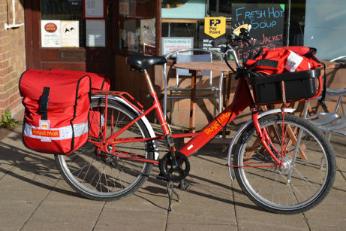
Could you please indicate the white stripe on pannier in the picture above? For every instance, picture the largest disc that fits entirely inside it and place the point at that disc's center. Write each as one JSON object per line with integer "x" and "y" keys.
{"x": 62, "y": 133}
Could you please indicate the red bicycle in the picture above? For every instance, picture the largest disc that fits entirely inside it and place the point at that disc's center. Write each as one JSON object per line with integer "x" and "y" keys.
{"x": 283, "y": 163}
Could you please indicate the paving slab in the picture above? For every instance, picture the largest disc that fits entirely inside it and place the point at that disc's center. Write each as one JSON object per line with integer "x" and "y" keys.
{"x": 330, "y": 214}
{"x": 200, "y": 227}
{"x": 64, "y": 216}
{"x": 209, "y": 200}
{"x": 19, "y": 199}
{"x": 14, "y": 214}
{"x": 128, "y": 220}
{"x": 251, "y": 217}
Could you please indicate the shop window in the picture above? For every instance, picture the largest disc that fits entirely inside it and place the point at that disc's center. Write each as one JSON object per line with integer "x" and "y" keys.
{"x": 181, "y": 23}
{"x": 179, "y": 29}
{"x": 62, "y": 23}
{"x": 137, "y": 26}
{"x": 73, "y": 23}
{"x": 297, "y": 19}
{"x": 212, "y": 5}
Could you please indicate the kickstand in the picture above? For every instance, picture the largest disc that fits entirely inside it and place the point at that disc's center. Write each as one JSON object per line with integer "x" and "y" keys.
{"x": 171, "y": 192}
{"x": 184, "y": 185}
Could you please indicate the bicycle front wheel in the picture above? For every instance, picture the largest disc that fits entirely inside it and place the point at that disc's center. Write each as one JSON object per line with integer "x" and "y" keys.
{"x": 103, "y": 176}
{"x": 308, "y": 169}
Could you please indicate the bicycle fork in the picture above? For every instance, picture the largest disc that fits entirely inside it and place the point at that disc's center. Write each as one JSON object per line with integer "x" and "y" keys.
{"x": 265, "y": 138}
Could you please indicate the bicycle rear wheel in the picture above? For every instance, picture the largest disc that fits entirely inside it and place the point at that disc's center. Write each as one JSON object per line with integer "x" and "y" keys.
{"x": 103, "y": 176}
{"x": 306, "y": 176}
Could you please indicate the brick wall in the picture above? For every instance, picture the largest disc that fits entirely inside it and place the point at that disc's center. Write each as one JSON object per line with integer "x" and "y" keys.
{"x": 12, "y": 57}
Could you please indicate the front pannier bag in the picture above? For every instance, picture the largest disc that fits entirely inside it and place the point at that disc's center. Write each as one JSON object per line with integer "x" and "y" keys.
{"x": 56, "y": 110}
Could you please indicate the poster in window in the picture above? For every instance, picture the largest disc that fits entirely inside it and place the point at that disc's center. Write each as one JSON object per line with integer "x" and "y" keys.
{"x": 56, "y": 33}
{"x": 148, "y": 32}
{"x": 95, "y": 33}
{"x": 171, "y": 44}
{"x": 70, "y": 33}
{"x": 94, "y": 8}
{"x": 50, "y": 33}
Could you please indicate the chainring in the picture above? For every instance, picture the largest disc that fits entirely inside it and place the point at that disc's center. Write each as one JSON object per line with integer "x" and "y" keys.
{"x": 174, "y": 169}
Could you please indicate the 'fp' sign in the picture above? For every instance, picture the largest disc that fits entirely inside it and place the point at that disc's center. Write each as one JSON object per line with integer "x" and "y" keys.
{"x": 215, "y": 26}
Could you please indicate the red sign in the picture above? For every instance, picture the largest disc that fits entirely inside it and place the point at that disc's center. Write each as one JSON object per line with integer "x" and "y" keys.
{"x": 50, "y": 27}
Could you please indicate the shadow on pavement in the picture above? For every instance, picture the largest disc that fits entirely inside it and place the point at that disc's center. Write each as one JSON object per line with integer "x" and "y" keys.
{"x": 159, "y": 191}
{"x": 14, "y": 157}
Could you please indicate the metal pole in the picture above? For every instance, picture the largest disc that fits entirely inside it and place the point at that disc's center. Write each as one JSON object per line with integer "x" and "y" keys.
{"x": 207, "y": 8}
{"x": 289, "y": 22}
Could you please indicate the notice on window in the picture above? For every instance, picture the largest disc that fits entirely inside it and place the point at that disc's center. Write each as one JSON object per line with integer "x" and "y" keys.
{"x": 95, "y": 33}
{"x": 56, "y": 33}
{"x": 94, "y": 8}
{"x": 51, "y": 33}
{"x": 176, "y": 43}
{"x": 70, "y": 33}
{"x": 148, "y": 32}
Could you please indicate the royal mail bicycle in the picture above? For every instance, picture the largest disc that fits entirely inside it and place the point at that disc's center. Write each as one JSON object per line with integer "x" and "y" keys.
{"x": 282, "y": 162}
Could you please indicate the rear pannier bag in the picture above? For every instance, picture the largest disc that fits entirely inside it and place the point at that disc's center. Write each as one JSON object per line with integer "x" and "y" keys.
{"x": 98, "y": 82}
{"x": 56, "y": 110}
{"x": 295, "y": 66}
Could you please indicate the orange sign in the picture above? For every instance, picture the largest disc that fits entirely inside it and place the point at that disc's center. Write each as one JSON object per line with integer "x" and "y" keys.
{"x": 46, "y": 133}
{"x": 50, "y": 27}
{"x": 216, "y": 125}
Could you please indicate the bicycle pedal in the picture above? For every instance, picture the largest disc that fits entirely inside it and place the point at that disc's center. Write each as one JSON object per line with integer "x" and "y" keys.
{"x": 162, "y": 177}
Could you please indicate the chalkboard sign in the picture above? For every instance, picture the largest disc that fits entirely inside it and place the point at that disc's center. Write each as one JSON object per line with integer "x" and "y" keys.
{"x": 267, "y": 21}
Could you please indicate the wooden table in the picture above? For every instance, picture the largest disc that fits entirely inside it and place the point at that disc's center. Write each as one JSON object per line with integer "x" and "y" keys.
{"x": 194, "y": 67}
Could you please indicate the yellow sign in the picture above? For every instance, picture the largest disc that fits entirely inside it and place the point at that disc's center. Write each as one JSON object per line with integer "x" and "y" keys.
{"x": 215, "y": 26}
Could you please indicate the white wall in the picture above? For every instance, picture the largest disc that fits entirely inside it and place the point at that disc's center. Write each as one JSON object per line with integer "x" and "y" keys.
{"x": 325, "y": 27}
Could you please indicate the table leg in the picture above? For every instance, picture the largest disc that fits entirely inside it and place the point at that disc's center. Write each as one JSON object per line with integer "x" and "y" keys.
{"x": 192, "y": 122}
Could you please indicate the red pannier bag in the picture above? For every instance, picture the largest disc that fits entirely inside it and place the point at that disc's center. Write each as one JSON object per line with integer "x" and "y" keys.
{"x": 56, "y": 110}
{"x": 282, "y": 59}
{"x": 98, "y": 83}
{"x": 297, "y": 66}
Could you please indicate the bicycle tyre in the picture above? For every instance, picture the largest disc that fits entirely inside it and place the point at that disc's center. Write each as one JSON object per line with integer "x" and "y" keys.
{"x": 101, "y": 190}
{"x": 256, "y": 186}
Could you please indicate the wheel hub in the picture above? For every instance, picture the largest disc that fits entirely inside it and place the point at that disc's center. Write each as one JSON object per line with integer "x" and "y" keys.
{"x": 286, "y": 166}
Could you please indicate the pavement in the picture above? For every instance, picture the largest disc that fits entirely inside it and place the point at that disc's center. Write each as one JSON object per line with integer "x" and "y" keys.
{"x": 33, "y": 196}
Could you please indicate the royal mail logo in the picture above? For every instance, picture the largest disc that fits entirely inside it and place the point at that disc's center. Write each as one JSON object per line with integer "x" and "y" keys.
{"x": 50, "y": 27}
{"x": 46, "y": 133}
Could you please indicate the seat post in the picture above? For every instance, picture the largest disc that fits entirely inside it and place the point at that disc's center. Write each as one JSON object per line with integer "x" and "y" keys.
{"x": 149, "y": 83}
{"x": 165, "y": 127}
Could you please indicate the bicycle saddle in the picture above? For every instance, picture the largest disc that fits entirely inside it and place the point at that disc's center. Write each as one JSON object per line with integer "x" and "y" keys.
{"x": 141, "y": 62}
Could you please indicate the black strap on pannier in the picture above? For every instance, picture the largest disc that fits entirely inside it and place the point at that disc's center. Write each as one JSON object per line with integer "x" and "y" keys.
{"x": 267, "y": 63}
{"x": 44, "y": 103}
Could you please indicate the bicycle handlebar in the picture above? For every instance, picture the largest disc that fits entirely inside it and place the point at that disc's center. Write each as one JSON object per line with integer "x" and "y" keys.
{"x": 240, "y": 34}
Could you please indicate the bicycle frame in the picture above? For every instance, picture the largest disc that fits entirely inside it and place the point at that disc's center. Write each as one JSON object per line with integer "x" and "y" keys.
{"x": 243, "y": 100}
